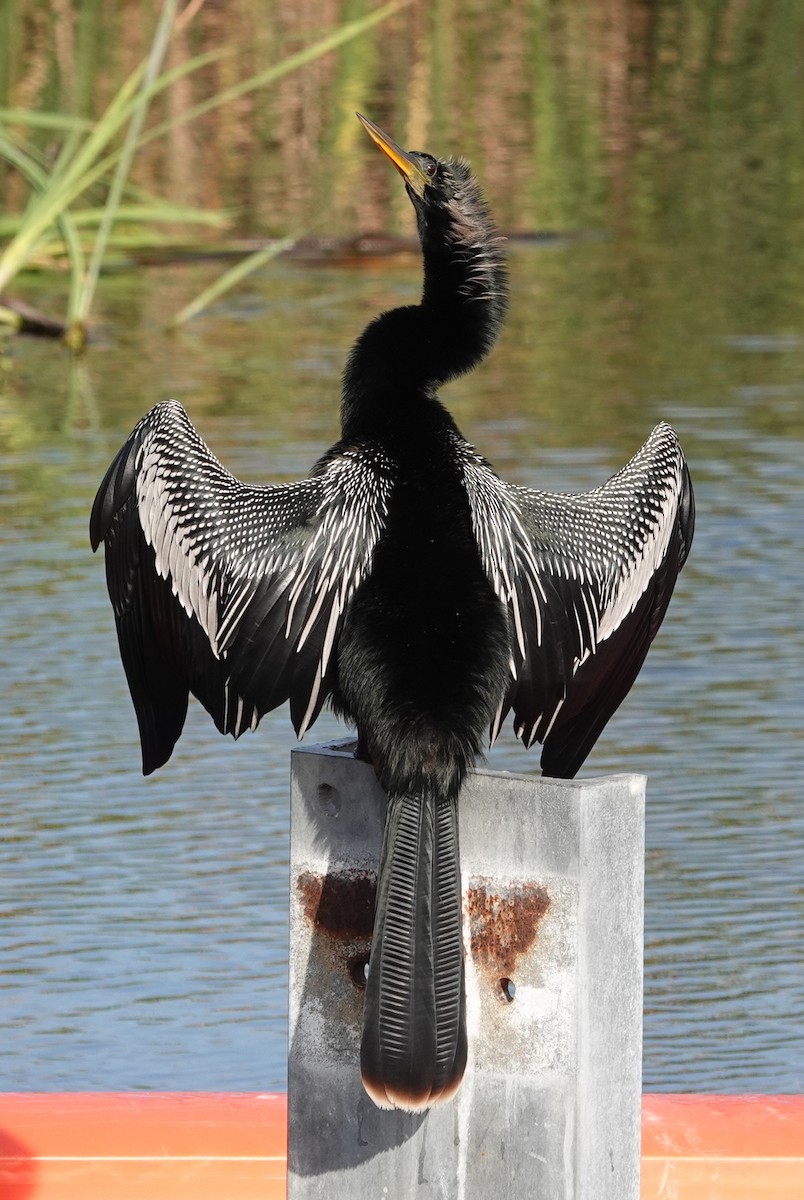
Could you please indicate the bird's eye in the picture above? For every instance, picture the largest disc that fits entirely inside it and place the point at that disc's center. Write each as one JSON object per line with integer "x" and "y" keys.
{"x": 430, "y": 166}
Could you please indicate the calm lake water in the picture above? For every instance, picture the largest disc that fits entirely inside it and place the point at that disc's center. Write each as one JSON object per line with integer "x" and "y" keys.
{"x": 142, "y": 922}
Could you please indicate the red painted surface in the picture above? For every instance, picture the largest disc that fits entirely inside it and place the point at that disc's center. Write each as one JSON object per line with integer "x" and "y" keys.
{"x": 198, "y": 1146}
{"x": 722, "y": 1147}
{"x": 142, "y": 1146}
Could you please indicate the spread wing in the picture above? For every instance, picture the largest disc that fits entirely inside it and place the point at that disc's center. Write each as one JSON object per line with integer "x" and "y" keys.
{"x": 232, "y": 592}
{"x": 587, "y": 579}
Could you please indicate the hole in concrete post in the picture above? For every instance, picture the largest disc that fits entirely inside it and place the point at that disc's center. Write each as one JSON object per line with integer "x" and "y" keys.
{"x": 358, "y": 970}
{"x": 508, "y": 988}
{"x": 329, "y": 799}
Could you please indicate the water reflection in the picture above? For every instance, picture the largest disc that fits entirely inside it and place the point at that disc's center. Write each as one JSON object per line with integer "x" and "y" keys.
{"x": 144, "y": 921}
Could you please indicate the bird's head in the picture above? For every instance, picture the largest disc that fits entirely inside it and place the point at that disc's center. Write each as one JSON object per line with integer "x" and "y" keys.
{"x": 423, "y": 174}
{"x": 443, "y": 191}
{"x": 462, "y": 251}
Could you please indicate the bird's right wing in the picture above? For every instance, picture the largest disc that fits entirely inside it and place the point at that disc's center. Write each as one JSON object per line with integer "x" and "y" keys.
{"x": 232, "y": 592}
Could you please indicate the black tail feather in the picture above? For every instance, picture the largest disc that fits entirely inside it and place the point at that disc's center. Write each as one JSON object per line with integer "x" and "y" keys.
{"x": 414, "y": 1026}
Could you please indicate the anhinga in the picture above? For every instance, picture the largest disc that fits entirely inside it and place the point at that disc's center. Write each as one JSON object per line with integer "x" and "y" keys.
{"x": 411, "y": 587}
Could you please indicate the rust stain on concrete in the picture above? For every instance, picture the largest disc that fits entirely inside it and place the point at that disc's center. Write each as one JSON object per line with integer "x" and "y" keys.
{"x": 504, "y": 922}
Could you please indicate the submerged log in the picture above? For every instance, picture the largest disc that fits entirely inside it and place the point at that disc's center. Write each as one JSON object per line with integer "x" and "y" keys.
{"x": 20, "y": 317}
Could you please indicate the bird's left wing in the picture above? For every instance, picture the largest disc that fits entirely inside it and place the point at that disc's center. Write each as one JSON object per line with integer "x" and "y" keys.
{"x": 586, "y": 579}
{"x": 232, "y": 592}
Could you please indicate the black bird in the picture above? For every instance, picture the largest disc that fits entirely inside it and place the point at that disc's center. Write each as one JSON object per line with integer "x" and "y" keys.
{"x": 407, "y": 584}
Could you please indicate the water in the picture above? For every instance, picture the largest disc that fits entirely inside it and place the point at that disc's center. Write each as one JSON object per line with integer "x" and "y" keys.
{"x": 142, "y": 922}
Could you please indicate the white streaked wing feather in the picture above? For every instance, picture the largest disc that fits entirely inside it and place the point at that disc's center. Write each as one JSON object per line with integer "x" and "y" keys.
{"x": 217, "y": 540}
{"x": 600, "y": 549}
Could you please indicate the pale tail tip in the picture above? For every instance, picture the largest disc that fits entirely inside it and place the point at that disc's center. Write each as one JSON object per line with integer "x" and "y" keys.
{"x": 388, "y": 1098}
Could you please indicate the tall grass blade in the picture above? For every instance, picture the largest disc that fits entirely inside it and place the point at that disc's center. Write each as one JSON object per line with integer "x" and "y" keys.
{"x": 293, "y": 62}
{"x": 152, "y": 68}
{"x": 79, "y": 169}
{"x": 86, "y": 157}
{"x": 229, "y": 278}
{"x": 38, "y": 179}
{"x": 44, "y": 120}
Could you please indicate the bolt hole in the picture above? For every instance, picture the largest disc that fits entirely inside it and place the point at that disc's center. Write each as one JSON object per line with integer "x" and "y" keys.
{"x": 358, "y": 970}
{"x": 508, "y": 988}
{"x": 329, "y": 799}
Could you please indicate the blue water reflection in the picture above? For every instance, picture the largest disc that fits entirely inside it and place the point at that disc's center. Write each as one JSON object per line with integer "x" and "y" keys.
{"x": 143, "y": 921}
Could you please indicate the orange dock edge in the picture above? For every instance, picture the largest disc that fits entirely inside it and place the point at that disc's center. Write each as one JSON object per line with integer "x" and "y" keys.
{"x": 177, "y": 1146}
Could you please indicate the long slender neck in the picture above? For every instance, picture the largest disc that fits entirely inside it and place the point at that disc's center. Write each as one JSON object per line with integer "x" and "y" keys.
{"x": 403, "y": 356}
{"x": 465, "y": 291}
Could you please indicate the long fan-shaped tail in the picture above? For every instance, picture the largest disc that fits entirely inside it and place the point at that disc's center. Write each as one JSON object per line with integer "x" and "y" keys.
{"x": 414, "y": 1026}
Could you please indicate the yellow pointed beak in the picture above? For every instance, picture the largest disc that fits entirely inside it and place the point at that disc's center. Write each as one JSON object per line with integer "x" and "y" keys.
{"x": 407, "y": 166}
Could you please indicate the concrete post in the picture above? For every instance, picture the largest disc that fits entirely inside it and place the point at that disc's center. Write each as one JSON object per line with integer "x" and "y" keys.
{"x": 550, "y": 1104}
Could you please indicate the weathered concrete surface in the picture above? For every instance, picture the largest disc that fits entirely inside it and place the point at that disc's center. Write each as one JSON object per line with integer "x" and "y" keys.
{"x": 550, "y": 1104}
